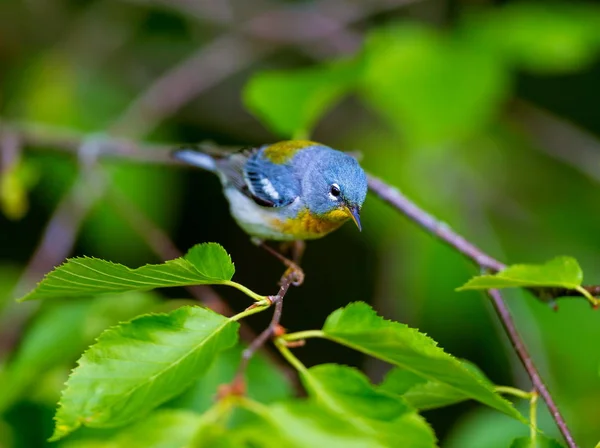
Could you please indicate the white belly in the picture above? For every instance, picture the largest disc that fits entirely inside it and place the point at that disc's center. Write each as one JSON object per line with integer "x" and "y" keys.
{"x": 257, "y": 221}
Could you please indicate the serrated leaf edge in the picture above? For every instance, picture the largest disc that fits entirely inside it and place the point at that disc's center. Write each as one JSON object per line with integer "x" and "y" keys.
{"x": 60, "y": 430}
{"x": 181, "y": 261}
{"x": 431, "y": 342}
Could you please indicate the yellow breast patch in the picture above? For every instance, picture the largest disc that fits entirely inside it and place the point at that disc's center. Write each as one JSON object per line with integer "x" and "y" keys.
{"x": 308, "y": 225}
{"x": 282, "y": 152}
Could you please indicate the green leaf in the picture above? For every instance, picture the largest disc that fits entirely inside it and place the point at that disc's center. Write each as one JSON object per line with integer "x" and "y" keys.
{"x": 561, "y": 272}
{"x": 540, "y": 442}
{"x": 349, "y": 394}
{"x": 291, "y": 102}
{"x": 161, "y": 429}
{"x": 408, "y": 73}
{"x": 359, "y": 327}
{"x": 305, "y": 424}
{"x": 484, "y": 427}
{"x": 203, "y": 264}
{"x": 425, "y": 394}
{"x": 211, "y": 435}
{"x": 548, "y": 37}
{"x": 7, "y": 437}
{"x": 211, "y": 260}
{"x": 60, "y": 333}
{"x": 138, "y": 365}
{"x": 419, "y": 392}
{"x": 164, "y": 429}
{"x": 110, "y": 309}
{"x": 264, "y": 382}
{"x": 53, "y": 337}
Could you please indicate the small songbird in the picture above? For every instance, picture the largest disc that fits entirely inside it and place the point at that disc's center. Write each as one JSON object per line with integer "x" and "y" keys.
{"x": 291, "y": 190}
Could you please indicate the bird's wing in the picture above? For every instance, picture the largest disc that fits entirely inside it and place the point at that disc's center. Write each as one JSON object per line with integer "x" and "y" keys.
{"x": 267, "y": 183}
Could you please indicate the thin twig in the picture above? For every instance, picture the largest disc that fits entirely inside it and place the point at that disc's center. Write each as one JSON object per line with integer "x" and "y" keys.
{"x": 440, "y": 229}
{"x": 408, "y": 208}
{"x": 237, "y": 386}
{"x": 525, "y": 357}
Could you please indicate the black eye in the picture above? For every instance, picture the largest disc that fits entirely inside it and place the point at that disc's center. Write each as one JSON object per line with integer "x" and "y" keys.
{"x": 335, "y": 190}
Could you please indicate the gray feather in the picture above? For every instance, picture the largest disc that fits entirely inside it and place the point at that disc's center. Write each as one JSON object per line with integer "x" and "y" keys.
{"x": 195, "y": 158}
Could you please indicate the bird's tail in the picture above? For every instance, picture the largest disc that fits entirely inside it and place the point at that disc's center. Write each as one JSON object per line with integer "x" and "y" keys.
{"x": 195, "y": 158}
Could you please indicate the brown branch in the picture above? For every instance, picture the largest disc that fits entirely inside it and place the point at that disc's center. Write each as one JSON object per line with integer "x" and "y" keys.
{"x": 237, "y": 386}
{"x": 440, "y": 229}
{"x": 527, "y": 360}
{"x": 398, "y": 201}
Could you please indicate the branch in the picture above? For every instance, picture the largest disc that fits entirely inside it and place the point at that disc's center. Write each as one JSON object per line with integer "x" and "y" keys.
{"x": 441, "y": 230}
{"x": 134, "y": 151}
{"x": 62, "y": 140}
{"x": 238, "y": 385}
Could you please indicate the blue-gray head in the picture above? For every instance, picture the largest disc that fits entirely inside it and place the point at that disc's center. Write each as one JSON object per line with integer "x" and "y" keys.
{"x": 333, "y": 181}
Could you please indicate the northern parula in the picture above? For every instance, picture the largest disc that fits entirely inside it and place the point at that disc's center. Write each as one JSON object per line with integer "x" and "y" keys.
{"x": 291, "y": 190}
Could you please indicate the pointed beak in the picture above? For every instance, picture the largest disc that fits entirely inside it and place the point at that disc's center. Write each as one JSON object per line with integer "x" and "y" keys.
{"x": 354, "y": 213}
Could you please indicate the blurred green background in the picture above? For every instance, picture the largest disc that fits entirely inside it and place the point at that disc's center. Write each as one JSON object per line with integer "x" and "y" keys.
{"x": 485, "y": 113}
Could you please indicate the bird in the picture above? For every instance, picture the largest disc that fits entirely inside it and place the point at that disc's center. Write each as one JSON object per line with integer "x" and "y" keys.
{"x": 291, "y": 190}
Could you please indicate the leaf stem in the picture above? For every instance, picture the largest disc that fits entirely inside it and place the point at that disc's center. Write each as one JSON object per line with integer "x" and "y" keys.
{"x": 245, "y": 290}
{"x": 259, "y": 307}
{"x": 533, "y": 429}
{"x": 253, "y": 406}
{"x": 585, "y": 293}
{"x": 300, "y": 335}
{"x": 514, "y": 392}
{"x": 287, "y": 280}
{"x": 280, "y": 343}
